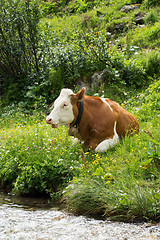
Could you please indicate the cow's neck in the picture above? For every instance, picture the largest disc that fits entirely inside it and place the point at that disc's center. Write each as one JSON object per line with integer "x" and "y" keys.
{"x": 83, "y": 129}
{"x": 74, "y": 126}
{"x": 80, "y": 113}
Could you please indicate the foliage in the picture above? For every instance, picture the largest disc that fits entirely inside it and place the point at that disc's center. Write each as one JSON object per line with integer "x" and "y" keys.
{"x": 66, "y": 7}
{"x": 153, "y": 65}
{"x": 32, "y": 162}
{"x": 149, "y": 3}
{"x": 20, "y": 52}
{"x": 151, "y": 17}
{"x": 88, "y": 53}
{"x": 49, "y": 7}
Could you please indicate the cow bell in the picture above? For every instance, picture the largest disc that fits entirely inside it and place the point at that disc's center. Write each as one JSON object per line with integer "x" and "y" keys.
{"x": 73, "y": 131}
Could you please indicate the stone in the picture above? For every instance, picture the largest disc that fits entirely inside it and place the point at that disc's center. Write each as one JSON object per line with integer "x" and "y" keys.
{"x": 128, "y": 8}
{"x": 139, "y": 18}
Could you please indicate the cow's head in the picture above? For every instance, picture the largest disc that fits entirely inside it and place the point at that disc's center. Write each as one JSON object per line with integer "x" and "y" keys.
{"x": 65, "y": 108}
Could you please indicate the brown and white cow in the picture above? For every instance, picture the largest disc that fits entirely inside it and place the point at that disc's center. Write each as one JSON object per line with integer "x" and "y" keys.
{"x": 99, "y": 122}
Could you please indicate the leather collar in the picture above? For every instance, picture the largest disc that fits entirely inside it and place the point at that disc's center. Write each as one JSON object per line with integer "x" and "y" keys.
{"x": 81, "y": 106}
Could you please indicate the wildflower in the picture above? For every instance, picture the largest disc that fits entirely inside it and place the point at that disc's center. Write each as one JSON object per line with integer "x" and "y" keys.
{"x": 145, "y": 167}
{"x": 87, "y": 18}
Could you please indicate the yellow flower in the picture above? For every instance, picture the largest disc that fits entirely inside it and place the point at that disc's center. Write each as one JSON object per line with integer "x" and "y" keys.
{"x": 86, "y": 153}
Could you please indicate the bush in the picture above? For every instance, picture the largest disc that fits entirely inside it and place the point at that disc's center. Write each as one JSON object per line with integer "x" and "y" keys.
{"x": 133, "y": 73}
{"x": 49, "y": 7}
{"x": 32, "y": 162}
{"x": 19, "y": 37}
{"x": 153, "y": 65}
{"x": 20, "y": 50}
{"x": 66, "y": 7}
{"x": 90, "y": 52}
{"x": 151, "y": 17}
{"x": 149, "y": 3}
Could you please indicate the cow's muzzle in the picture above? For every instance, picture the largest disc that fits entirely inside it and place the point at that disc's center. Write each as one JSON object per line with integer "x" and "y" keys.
{"x": 49, "y": 121}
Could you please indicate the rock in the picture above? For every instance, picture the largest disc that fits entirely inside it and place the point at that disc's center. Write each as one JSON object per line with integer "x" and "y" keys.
{"x": 91, "y": 82}
{"x": 83, "y": 83}
{"x": 119, "y": 27}
{"x": 128, "y": 8}
{"x": 139, "y": 18}
{"x": 96, "y": 78}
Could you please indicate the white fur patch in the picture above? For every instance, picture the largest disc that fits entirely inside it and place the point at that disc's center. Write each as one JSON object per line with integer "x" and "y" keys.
{"x": 108, "y": 143}
{"x": 62, "y": 113}
{"x": 104, "y": 100}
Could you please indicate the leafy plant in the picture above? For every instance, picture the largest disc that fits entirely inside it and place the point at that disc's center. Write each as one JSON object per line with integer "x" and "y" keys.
{"x": 153, "y": 65}
{"x": 151, "y": 17}
{"x": 149, "y": 3}
{"x": 20, "y": 52}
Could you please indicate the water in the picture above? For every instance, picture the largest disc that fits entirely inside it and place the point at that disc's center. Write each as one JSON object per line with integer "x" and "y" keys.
{"x": 32, "y": 219}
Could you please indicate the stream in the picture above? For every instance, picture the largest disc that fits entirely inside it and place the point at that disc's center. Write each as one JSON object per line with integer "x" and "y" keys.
{"x": 37, "y": 219}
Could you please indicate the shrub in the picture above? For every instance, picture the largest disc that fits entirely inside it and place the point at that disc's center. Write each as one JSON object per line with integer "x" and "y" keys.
{"x": 32, "y": 162}
{"x": 151, "y": 17}
{"x": 133, "y": 73}
{"x": 19, "y": 37}
{"x": 153, "y": 65}
{"x": 53, "y": 6}
{"x": 66, "y": 7}
{"x": 149, "y": 3}
{"x": 20, "y": 52}
{"x": 88, "y": 53}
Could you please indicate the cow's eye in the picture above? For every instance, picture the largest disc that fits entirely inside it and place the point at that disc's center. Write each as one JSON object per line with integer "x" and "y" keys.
{"x": 65, "y": 105}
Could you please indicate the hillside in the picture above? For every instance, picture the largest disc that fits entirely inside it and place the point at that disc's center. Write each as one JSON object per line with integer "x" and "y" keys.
{"x": 120, "y": 38}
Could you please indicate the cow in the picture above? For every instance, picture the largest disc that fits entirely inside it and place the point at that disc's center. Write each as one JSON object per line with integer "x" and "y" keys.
{"x": 99, "y": 122}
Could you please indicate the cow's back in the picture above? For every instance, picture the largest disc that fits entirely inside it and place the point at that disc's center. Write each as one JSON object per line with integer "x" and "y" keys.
{"x": 126, "y": 123}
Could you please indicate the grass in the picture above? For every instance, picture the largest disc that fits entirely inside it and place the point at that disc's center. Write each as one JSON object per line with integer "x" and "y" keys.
{"x": 120, "y": 184}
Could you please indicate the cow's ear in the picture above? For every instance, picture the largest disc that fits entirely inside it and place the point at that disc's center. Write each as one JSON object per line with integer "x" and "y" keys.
{"x": 80, "y": 94}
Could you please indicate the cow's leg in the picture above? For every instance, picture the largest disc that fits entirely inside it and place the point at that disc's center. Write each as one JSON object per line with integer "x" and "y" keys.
{"x": 108, "y": 143}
